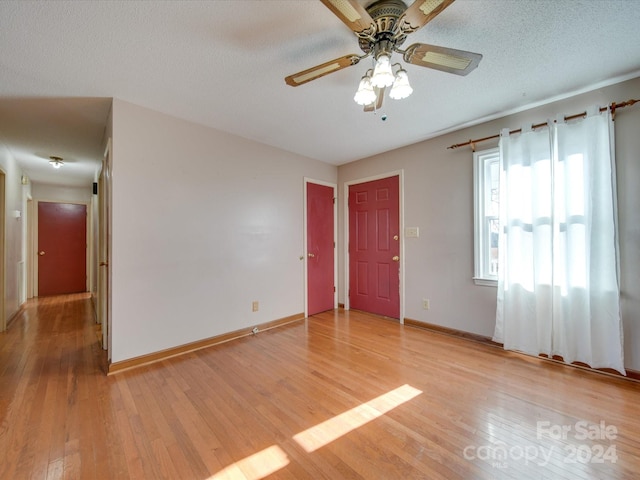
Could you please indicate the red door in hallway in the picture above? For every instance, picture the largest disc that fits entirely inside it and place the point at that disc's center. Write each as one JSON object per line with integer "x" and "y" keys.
{"x": 320, "y": 248}
{"x": 374, "y": 246}
{"x": 62, "y": 248}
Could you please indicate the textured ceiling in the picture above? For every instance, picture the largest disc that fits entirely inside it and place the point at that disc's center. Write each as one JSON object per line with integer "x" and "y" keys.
{"x": 223, "y": 63}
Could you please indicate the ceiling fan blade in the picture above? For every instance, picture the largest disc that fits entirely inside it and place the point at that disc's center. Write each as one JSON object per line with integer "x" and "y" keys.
{"x": 351, "y": 13}
{"x": 420, "y": 13}
{"x": 459, "y": 62}
{"x": 377, "y": 105}
{"x": 321, "y": 70}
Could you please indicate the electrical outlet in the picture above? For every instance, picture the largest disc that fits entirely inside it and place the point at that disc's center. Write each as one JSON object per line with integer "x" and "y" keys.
{"x": 425, "y": 304}
{"x": 254, "y": 306}
{"x": 255, "y": 330}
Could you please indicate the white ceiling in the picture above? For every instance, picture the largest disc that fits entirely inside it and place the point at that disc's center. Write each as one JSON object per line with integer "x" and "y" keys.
{"x": 222, "y": 64}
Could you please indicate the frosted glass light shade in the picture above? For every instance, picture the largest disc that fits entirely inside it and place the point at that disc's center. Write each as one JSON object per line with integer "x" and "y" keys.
{"x": 365, "y": 94}
{"x": 401, "y": 88}
{"x": 382, "y": 73}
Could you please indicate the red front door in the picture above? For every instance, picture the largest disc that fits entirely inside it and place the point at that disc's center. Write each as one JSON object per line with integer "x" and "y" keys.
{"x": 62, "y": 248}
{"x": 320, "y": 249}
{"x": 374, "y": 247}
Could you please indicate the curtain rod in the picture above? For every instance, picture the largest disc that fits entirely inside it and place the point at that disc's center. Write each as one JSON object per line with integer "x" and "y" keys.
{"x": 613, "y": 108}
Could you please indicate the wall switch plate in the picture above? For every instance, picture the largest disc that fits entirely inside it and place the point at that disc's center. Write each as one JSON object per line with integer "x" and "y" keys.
{"x": 254, "y": 306}
{"x": 425, "y": 304}
{"x": 412, "y": 232}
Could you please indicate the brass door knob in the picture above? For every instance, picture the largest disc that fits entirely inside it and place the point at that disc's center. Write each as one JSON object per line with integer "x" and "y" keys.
{"x": 310, "y": 255}
{"x": 396, "y": 258}
{"x": 41, "y": 252}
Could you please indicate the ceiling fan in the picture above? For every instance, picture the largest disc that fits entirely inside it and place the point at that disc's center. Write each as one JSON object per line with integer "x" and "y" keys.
{"x": 381, "y": 28}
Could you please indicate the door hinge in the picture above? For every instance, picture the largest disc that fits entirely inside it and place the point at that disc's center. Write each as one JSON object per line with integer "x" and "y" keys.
{"x": 334, "y": 289}
{"x": 334, "y": 200}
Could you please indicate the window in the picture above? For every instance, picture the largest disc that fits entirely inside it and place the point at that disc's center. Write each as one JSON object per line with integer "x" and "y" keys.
{"x": 486, "y": 177}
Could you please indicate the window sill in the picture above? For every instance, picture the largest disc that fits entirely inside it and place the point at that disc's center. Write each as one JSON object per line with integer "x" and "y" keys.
{"x": 485, "y": 282}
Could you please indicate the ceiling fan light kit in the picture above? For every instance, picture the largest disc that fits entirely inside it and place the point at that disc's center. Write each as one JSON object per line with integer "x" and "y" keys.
{"x": 56, "y": 162}
{"x": 381, "y": 28}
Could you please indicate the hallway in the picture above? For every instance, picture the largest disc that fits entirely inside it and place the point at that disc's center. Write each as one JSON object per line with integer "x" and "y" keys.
{"x": 53, "y": 383}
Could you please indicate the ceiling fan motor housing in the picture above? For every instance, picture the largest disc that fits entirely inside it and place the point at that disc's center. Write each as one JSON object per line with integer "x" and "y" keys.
{"x": 385, "y": 14}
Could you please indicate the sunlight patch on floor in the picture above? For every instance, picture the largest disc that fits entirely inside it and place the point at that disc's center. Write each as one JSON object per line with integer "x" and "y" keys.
{"x": 329, "y": 430}
{"x": 257, "y": 466}
{"x": 264, "y": 463}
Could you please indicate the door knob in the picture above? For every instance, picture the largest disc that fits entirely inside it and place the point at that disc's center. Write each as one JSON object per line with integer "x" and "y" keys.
{"x": 41, "y": 252}
{"x": 396, "y": 258}
{"x": 310, "y": 255}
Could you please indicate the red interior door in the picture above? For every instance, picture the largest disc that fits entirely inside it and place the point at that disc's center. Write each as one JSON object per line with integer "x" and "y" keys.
{"x": 320, "y": 249}
{"x": 374, "y": 247}
{"x": 62, "y": 248}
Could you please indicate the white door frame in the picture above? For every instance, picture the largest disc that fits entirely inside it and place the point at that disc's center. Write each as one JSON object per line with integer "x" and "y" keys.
{"x": 34, "y": 253}
{"x": 400, "y": 175}
{"x": 3, "y": 249}
{"x": 104, "y": 250}
{"x": 30, "y": 248}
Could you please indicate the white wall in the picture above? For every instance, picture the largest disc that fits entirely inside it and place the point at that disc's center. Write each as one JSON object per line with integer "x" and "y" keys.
{"x": 439, "y": 200}
{"x": 204, "y": 223}
{"x": 16, "y": 197}
{"x": 57, "y": 193}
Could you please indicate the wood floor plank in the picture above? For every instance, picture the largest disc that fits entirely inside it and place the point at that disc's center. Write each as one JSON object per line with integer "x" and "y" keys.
{"x": 243, "y": 409}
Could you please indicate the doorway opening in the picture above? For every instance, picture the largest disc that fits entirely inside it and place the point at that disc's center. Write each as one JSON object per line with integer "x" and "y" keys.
{"x": 62, "y": 248}
{"x": 374, "y": 245}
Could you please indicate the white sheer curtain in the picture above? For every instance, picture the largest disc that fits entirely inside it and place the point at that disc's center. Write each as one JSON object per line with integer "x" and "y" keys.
{"x": 558, "y": 290}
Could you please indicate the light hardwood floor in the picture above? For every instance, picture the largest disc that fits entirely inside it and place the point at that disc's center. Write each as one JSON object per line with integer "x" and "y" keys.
{"x": 339, "y": 395}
